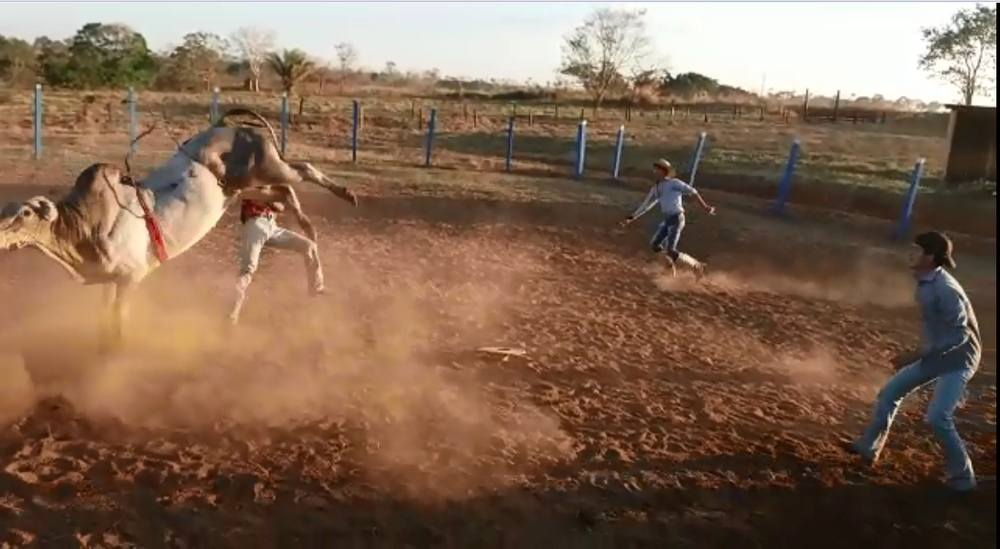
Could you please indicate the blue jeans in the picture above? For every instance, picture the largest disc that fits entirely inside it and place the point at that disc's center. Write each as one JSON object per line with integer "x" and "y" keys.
{"x": 667, "y": 235}
{"x": 948, "y": 394}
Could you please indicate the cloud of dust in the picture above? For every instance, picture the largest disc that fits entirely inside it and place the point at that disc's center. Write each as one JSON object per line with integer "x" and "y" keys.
{"x": 811, "y": 365}
{"x": 814, "y": 365}
{"x": 864, "y": 280}
{"x": 364, "y": 361}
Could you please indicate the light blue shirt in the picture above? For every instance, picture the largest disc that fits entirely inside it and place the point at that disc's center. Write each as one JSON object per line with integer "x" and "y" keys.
{"x": 669, "y": 193}
{"x": 950, "y": 338}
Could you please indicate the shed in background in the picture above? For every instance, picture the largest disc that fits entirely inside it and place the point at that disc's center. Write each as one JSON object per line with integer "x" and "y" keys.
{"x": 972, "y": 144}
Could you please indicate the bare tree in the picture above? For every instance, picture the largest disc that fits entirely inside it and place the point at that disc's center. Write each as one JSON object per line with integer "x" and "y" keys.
{"x": 347, "y": 56}
{"x": 607, "y": 45}
{"x": 254, "y": 45}
{"x": 322, "y": 73}
{"x": 964, "y": 51}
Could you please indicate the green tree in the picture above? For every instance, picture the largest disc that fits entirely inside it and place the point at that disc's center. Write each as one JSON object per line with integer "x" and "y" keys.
{"x": 53, "y": 56}
{"x": 18, "y": 61}
{"x": 99, "y": 55}
{"x": 607, "y": 45}
{"x": 196, "y": 63}
{"x": 963, "y": 52}
{"x": 689, "y": 84}
{"x": 291, "y": 66}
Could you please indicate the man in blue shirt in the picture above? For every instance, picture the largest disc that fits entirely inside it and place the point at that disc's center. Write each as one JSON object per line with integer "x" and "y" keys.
{"x": 669, "y": 193}
{"x": 948, "y": 356}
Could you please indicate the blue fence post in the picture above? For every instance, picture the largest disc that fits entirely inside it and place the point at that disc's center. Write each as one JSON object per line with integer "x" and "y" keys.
{"x": 131, "y": 120}
{"x": 354, "y": 132}
{"x": 696, "y": 157}
{"x": 431, "y": 124}
{"x": 785, "y": 185}
{"x": 37, "y": 122}
{"x": 214, "y": 112}
{"x": 510, "y": 144}
{"x": 581, "y": 148}
{"x": 903, "y": 229}
{"x": 284, "y": 122}
{"x": 617, "y": 160}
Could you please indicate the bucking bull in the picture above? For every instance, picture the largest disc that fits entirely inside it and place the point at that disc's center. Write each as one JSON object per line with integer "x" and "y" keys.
{"x": 114, "y": 231}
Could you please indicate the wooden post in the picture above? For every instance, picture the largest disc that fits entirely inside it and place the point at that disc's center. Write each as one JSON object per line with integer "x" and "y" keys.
{"x": 475, "y": 118}
{"x": 762, "y": 114}
{"x": 531, "y": 117}
{"x": 836, "y": 107}
{"x": 465, "y": 111}
{"x": 413, "y": 110}
{"x": 556, "y": 115}
{"x": 420, "y": 119}
{"x": 805, "y": 107}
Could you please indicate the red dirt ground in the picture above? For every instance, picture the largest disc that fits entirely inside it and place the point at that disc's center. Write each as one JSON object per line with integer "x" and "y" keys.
{"x": 648, "y": 413}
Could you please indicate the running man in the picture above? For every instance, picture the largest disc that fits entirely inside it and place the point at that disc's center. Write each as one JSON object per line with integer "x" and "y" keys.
{"x": 669, "y": 192}
{"x": 259, "y": 229}
{"x": 948, "y": 356}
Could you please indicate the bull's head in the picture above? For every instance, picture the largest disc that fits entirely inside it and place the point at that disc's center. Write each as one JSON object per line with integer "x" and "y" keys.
{"x": 24, "y": 223}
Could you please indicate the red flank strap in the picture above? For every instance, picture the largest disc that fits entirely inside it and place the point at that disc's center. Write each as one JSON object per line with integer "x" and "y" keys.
{"x": 153, "y": 227}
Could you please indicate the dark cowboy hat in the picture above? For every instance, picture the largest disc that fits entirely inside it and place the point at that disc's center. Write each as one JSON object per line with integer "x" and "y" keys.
{"x": 938, "y": 245}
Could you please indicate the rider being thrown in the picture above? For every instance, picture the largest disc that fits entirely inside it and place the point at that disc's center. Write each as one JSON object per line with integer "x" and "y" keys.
{"x": 259, "y": 229}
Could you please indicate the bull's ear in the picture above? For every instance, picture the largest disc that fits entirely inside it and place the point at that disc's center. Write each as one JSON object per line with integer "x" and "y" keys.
{"x": 44, "y": 207}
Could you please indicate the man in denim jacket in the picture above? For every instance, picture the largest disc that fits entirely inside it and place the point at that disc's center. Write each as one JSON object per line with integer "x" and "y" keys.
{"x": 949, "y": 356}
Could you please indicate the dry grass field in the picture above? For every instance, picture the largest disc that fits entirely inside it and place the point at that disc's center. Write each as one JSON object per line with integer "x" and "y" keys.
{"x": 647, "y": 413}
{"x": 860, "y": 168}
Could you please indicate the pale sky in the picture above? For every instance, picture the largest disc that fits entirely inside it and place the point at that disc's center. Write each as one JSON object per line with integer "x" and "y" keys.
{"x": 859, "y": 48}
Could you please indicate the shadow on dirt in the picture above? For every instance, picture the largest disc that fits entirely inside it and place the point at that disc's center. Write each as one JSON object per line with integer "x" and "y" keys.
{"x": 232, "y": 510}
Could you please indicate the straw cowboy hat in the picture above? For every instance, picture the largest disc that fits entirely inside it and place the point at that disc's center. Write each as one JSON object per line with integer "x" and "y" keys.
{"x": 664, "y": 165}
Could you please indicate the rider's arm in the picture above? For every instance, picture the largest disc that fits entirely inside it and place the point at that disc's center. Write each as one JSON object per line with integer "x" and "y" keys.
{"x": 688, "y": 190}
{"x": 647, "y": 204}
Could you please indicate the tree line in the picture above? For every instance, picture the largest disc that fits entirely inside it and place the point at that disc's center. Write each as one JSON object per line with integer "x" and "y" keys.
{"x": 610, "y": 54}
{"x": 111, "y": 55}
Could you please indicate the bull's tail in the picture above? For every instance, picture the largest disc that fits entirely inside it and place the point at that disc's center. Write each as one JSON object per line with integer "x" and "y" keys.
{"x": 244, "y": 111}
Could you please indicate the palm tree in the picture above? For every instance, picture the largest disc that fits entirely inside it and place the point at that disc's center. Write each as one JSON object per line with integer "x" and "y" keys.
{"x": 291, "y": 66}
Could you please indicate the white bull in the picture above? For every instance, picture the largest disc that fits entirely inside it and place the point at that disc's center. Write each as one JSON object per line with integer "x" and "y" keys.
{"x": 112, "y": 231}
